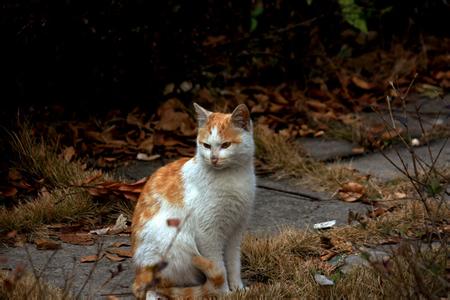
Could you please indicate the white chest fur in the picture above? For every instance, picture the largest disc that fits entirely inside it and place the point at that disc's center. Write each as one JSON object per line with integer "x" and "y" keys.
{"x": 219, "y": 200}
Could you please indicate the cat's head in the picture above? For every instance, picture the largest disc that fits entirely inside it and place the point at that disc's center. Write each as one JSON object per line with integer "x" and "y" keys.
{"x": 224, "y": 140}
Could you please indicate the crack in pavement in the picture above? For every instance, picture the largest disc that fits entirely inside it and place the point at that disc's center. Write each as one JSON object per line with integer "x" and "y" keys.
{"x": 297, "y": 195}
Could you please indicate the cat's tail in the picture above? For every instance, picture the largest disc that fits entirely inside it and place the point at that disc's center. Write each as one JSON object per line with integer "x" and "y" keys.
{"x": 215, "y": 280}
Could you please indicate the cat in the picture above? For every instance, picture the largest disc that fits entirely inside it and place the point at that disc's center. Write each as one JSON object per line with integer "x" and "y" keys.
{"x": 212, "y": 194}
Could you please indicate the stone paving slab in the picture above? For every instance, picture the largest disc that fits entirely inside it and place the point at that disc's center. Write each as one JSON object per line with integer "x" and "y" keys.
{"x": 428, "y": 105}
{"x": 326, "y": 149}
{"x": 377, "y": 165}
{"x": 63, "y": 267}
{"x": 433, "y": 113}
{"x": 280, "y": 203}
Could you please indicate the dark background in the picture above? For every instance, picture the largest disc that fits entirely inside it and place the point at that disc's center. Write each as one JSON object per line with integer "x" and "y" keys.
{"x": 104, "y": 52}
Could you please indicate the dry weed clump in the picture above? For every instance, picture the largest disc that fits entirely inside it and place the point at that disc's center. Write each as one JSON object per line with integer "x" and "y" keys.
{"x": 19, "y": 285}
{"x": 288, "y": 160}
{"x": 283, "y": 265}
{"x": 60, "y": 205}
{"x": 278, "y": 154}
{"x": 60, "y": 198}
{"x": 40, "y": 160}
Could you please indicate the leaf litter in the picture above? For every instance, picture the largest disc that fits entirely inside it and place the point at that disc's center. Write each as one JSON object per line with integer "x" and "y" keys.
{"x": 288, "y": 111}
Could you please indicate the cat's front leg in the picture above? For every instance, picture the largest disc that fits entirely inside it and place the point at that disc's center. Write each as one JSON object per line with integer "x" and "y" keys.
{"x": 233, "y": 261}
{"x": 214, "y": 252}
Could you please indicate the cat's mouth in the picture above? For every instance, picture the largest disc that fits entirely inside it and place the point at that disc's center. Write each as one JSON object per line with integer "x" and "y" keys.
{"x": 216, "y": 164}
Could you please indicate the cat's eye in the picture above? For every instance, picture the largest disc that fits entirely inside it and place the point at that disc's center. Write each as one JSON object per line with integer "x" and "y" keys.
{"x": 207, "y": 146}
{"x": 225, "y": 145}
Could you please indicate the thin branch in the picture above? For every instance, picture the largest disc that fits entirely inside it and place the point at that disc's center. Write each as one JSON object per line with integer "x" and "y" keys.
{"x": 388, "y": 100}
{"x": 91, "y": 271}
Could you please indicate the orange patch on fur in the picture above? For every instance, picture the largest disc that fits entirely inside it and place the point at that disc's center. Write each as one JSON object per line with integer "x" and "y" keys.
{"x": 142, "y": 278}
{"x": 224, "y": 127}
{"x": 202, "y": 263}
{"x": 189, "y": 293}
{"x": 168, "y": 182}
{"x": 165, "y": 283}
{"x": 206, "y": 265}
{"x": 146, "y": 208}
{"x": 217, "y": 281}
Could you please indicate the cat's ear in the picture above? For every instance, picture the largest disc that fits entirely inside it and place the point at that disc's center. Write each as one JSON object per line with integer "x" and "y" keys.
{"x": 202, "y": 114}
{"x": 241, "y": 117}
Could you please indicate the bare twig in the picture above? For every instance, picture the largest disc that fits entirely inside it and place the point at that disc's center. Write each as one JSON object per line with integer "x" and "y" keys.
{"x": 388, "y": 100}
{"x": 91, "y": 271}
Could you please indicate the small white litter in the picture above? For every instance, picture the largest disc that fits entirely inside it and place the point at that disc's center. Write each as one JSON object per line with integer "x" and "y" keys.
{"x": 325, "y": 225}
{"x": 121, "y": 225}
{"x": 323, "y": 280}
{"x": 146, "y": 157}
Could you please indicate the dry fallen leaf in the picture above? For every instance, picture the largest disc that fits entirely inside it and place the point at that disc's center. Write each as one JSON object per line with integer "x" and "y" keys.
{"x": 390, "y": 134}
{"x": 128, "y": 190}
{"x": 77, "y": 238}
{"x": 46, "y": 244}
{"x": 358, "y": 150}
{"x": 351, "y": 192}
{"x": 90, "y": 258}
{"x": 146, "y": 145}
{"x": 173, "y": 117}
{"x": 132, "y": 119}
{"x": 376, "y": 212}
{"x": 92, "y": 178}
{"x": 361, "y": 83}
{"x": 120, "y": 252}
{"x": 399, "y": 195}
{"x": 445, "y": 228}
{"x": 101, "y": 231}
{"x": 68, "y": 153}
{"x": 316, "y": 105}
{"x": 113, "y": 257}
{"x": 328, "y": 255}
{"x": 14, "y": 175}
{"x": 120, "y": 244}
{"x": 213, "y": 40}
{"x": 342, "y": 245}
{"x": 23, "y": 185}
{"x": 353, "y": 187}
{"x": 319, "y": 133}
{"x": 120, "y": 225}
{"x": 390, "y": 241}
{"x": 9, "y": 192}
{"x": 349, "y": 196}
{"x": 12, "y": 234}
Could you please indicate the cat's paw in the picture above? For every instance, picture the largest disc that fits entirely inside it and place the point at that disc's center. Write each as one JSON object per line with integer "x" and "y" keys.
{"x": 237, "y": 285}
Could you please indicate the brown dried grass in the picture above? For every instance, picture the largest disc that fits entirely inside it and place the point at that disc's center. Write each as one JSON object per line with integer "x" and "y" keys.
{"x": 59, "y": 200}
{"x": 14, "y": 286}
{"x": 283, "y": 265}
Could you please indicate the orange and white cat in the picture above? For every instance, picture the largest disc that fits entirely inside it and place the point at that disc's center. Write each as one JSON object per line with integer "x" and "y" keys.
{"x": 212, "y": 194}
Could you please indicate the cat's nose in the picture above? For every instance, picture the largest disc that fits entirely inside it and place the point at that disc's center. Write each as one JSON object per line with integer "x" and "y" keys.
{"x": 214, "y": 160}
